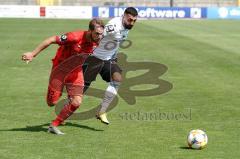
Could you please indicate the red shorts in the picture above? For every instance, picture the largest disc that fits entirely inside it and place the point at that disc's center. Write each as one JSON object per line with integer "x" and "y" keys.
{"x": 73, "y": 81}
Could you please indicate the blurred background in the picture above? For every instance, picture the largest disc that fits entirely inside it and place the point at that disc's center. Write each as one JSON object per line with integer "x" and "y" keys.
{"x": 164, "y": 3}
{"x": 148, "y": 9}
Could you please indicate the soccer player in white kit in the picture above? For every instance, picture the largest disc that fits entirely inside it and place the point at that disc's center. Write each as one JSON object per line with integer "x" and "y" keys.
{"x": 103, "y": 61}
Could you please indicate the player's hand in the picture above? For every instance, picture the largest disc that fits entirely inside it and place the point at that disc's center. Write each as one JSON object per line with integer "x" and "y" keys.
{"x": 27, "y": 57}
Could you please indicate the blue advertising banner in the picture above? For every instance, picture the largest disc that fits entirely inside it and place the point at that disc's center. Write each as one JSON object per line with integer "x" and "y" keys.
{"x": 100, "y": 12}
{"x": 223, "y": 13}
{"x": 152, "y": 12}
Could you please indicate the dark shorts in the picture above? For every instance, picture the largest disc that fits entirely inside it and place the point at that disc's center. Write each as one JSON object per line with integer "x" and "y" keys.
{"x": 94, "y": 66}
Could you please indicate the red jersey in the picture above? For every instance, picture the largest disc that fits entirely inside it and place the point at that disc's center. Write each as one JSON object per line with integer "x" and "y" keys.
{"x": 72, "y": 43}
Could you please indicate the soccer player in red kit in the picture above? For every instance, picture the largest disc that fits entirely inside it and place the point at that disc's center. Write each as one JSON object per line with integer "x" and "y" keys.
{"x": 64, "y": 70}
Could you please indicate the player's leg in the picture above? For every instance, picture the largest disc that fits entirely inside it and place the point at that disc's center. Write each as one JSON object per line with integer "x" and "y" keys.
{"x": 74, "y": 85}
{"x": 73, "y": 104}
{"x": 54, "y": 89}
{"x": 52, "y": 96}
{"x": 111, "y": 73}
{"x": 66, "y": 112}
{"x": 91, "y": 67}
{"x": 111, "y": 91}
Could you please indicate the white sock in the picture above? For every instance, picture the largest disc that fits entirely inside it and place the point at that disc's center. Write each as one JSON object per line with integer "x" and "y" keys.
{"x": 109, "y": 95}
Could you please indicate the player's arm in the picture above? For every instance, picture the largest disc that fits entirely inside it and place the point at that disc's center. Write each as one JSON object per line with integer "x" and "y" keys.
{"x": 28, "y": 56}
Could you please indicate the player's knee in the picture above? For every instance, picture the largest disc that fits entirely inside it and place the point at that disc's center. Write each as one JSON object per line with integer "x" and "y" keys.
{"x": 117, "y": 77}
{"x": 76, "y": 101}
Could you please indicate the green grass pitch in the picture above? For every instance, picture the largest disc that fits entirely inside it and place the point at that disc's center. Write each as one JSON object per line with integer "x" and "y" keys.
{"x": 202, "y": 58}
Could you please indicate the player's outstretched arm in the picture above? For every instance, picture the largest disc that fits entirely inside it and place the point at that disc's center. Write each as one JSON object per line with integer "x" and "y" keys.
{"x": 28, "y": 56}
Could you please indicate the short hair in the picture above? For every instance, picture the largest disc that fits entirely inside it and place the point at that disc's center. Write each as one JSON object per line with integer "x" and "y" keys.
{"x": 94, "y": 22}
{"x": 132, "y": 11}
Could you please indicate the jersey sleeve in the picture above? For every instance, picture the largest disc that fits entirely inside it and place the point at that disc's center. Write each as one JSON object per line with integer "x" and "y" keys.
{"x": 66, "y": 39}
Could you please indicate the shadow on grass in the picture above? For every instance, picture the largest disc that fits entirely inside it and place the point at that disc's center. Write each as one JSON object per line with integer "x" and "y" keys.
{"x": 185, "y": 148}
{"x": 42, "y": 127}
{"x": 35, "y": 128}
{"x": 82, "y": 126}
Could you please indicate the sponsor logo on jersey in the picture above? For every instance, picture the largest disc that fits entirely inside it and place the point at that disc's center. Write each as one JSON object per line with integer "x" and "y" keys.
{"x": 110, "y": 28}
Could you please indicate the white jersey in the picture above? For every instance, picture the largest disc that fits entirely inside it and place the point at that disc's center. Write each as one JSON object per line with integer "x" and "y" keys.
{"x": 114, "y": 33}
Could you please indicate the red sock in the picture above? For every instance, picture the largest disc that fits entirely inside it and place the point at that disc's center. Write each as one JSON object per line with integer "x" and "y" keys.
{"x": 67, "y": 111}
